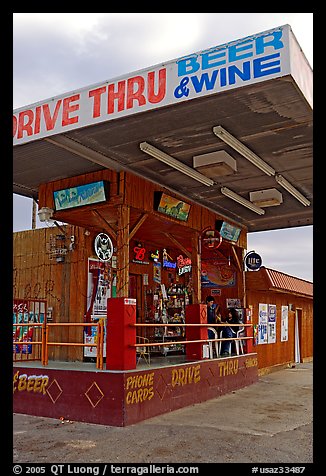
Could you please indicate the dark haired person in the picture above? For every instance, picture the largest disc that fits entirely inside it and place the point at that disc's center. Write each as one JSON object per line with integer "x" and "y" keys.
{"x": 229, "y": 331}
{"x": 213, "y": 314}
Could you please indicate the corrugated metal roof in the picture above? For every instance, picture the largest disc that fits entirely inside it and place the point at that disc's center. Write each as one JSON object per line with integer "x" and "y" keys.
{"x": 286, "y": 282}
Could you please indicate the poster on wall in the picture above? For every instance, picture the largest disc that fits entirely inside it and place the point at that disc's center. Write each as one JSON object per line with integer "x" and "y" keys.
{"x": 217, "y": 273}
{"x": 284, "y": 323}
{"x": 157, "y": 272}
{"x": 99, "y": 289}
{"x": 98, "y": 286}
{"x": 262, "y": 323}
{"x": 26, "y": 311}
{"x": 271, "y": 337}
{"x": 233, "y": 302}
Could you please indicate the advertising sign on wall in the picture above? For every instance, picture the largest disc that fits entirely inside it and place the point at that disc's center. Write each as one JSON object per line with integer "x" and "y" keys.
{"x": 271, "y": 337}
{"x": 262, "y": 323}
{"x": 217, "y": 273}
{"x": 253, "y": 261}
{"x": 171, "y": 206}
{"x": 81, "y": 195}
{"x": 99, "y": 289}
{"x": 284, "y": 323}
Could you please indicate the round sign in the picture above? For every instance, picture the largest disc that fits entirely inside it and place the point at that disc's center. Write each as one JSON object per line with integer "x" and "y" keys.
{"x": 103, "y": 247}
{"x": 211, "y": 239}
{"x": 253, "y": 261}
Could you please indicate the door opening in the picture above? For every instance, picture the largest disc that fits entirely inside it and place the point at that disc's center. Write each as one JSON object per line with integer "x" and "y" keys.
{"x": 297, "y": 335}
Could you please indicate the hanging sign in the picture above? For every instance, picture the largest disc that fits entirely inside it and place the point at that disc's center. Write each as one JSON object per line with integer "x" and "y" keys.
{"x": 184, "y": 265}
{"x": 167, "y": 260}
{"x": 253, "y": 261}
{"x": 154, "y": 255}
{"x": 103, "y": 247}
{"x": 139, "y": 254}
{"x": 211, "y": 239}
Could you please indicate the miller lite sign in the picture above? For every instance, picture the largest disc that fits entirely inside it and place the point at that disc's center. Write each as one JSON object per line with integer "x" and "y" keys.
{"x": 253, "y": 261}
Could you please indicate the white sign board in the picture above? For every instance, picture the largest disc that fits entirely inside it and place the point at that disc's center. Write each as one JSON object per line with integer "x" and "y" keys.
{"x": 249, "y": 60}
{"x": 284, "y": 323}
{"x": 262, "y": 323}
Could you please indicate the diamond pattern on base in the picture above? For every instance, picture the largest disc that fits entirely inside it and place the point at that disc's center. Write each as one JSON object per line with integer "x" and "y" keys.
{"x": 94, "y": 394}
{"x": 54, "y": 390}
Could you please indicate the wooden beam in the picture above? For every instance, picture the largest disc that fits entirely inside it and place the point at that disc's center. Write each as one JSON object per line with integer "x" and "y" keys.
{"x": 196, "y": 269}
{"x": 179, "y": 245}
{"x": 236, "y": 258}
{"x": 105, "y": 224}
{"x": 138, "y": 225}
{"x": 123, "y": 251}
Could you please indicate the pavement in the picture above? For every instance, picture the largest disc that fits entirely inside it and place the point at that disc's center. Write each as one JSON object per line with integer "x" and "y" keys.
{"x": 270, "y": 421}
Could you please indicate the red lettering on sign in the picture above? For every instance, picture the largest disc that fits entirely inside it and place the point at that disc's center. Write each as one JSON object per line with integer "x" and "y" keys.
{"x": 120, "y": 95}
{"x": 14, "y": 120}
{"x": 135, "y": 95}
{"x": 137, "y": 91}
{"x": 68, "y": 108}
{"x": 51, "y": 120}
{"x": 25, "y": 126}
{"x": 37, "y": 120}
{"x": 152, "y": 97}
{"x": 96, "y": 94}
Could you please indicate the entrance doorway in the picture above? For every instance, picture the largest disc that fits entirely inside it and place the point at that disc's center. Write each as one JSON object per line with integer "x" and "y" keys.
{"x": 297, "y": 335}
{"x": 135, "y": 292}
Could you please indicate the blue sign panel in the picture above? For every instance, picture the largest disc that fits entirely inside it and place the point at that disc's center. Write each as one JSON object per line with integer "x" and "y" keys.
{"x": 87, "y": 194}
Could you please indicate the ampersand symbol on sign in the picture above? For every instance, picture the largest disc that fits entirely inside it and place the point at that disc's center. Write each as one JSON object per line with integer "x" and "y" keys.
{"x": 182, "y": 90}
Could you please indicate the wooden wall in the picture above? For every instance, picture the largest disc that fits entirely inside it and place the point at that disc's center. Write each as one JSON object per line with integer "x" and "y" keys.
{"x": 139, "y": 193}
{"x": 63, "y": 285}
{"x": 281, "y": 353}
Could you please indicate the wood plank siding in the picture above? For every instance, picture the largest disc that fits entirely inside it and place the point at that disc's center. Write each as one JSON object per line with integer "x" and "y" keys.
{"x": 282, "y": 290}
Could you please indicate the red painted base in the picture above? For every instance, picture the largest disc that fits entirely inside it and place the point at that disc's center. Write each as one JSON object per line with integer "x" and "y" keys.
{"x": 127, "y": 397}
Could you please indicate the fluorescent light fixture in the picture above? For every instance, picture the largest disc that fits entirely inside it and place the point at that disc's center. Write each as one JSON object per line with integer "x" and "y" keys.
{"x": 292, "y": 190}
{"x": 237, "y": 198}
{"x": 174, "y": 163}
{"x": 229, "y": 139}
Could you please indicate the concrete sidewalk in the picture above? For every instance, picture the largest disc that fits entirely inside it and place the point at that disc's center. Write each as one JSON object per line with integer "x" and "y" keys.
{"x": 267, "y": 422}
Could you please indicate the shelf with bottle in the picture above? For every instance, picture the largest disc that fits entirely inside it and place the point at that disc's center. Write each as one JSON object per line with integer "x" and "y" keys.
{"x": 167, "y": 307}
{"x": 174, "y": 313}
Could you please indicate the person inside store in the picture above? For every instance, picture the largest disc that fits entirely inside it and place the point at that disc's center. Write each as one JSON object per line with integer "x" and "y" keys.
{"x": 229, "y": 331}
{"x": 213, "y": 314}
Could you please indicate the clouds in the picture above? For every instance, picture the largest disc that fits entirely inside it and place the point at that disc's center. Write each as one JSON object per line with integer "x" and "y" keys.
{"x": 54, "y": 53}
{"x": 289, "y": 250}
{"x": 59, "y": 52}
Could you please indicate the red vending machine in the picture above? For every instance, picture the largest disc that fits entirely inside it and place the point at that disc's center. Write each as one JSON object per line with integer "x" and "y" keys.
{"x": 121, "y": 339}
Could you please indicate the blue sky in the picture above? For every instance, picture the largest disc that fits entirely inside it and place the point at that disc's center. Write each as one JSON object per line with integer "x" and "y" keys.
{"x": 58, "y": 52}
